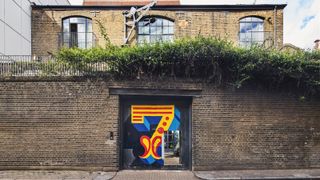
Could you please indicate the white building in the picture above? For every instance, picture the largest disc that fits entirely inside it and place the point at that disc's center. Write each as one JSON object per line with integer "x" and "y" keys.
{"x": 15, "y": 25}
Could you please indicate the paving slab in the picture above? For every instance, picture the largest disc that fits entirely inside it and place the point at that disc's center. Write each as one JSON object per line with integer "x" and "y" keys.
{"x": 55, "y": 175}
{"x": 155, "y": 175}
{"x": 260, "y": 174}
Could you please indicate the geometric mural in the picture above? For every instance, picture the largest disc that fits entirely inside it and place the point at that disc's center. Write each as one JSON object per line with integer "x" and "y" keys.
{"x": 165, "y": 117}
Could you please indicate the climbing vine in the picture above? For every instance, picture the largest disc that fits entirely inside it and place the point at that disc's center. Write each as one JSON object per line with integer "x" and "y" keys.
{"x": 210, "y": 60}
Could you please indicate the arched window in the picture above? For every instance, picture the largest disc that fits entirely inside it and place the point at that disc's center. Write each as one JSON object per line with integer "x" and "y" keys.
{"x": 251, "y": 31}
{"x": 155, "y": 29}
{"x": 77, "y": 32}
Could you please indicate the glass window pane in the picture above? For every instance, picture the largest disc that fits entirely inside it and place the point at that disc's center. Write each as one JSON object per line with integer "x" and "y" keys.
{"x": 81, "y": 35}
{"x": 251, "y": 31}
{"x": 78, "y": 20}
{"x": 89, "y": 25}
{"x": 140, "y": 23}
{"x": 140, "y": 30}
{"x": 255, "y": 19}
{"x": 146, "y": 30}
{"x": 81, "y": 28}
{"x": 245, "y": 27}
{"x": 165, "y": 30}
{"x": 160, "y": 30}
{"x": 66, "y": 25}
{"x": 66, "y": 36}
{"x": 153, "y": 30}
{"x": 165, "y": 22}
{"x": 158, "y": 22}
{"x": 170, "y": 30}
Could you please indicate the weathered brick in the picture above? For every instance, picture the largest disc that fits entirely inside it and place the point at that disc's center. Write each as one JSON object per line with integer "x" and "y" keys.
{"x": 66, "y": 124}
{"x": 47, "y": 24}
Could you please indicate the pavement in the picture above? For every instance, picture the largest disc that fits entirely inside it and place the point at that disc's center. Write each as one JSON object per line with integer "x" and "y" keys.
{"x": 54, "y": 175}
{"x": 83, "y": 175}
{"x": 160, "y": 175}
{"x": 259, "y": 174}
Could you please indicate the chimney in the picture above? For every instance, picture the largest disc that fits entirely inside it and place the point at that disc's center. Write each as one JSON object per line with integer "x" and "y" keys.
{"x": 317, "y": 44}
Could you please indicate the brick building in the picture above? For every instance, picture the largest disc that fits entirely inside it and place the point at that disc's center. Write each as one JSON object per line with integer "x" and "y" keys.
{"x": 107, "y": 124}
{"x": 80, "y": 123}
{"x": 57, "y": 26}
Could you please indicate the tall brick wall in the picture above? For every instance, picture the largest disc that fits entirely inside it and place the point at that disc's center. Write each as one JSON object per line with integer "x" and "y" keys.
{"x": 66, "y": 124}
{"x": 47, "y": 24}
{"x": 254, "y": 130}
{"x": 57, "y": 124}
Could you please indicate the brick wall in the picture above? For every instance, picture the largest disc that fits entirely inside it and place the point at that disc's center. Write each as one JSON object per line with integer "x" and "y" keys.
{"x": 66, "y": 124}
{"x": 47, "y": 24}
{"x": 254, "y": 130}
{"x": 57, "y": 124}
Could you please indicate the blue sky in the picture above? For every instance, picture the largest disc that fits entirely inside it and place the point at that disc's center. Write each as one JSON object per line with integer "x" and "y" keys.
{"x": 301, "y": 18}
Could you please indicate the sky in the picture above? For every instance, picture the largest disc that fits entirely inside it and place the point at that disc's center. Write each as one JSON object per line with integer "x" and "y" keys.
{"x": 301, "y": 18}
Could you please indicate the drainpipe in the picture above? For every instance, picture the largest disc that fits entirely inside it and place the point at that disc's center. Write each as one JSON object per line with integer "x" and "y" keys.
{"x": 124, "y": 28}
{"x": 275, "y": 27}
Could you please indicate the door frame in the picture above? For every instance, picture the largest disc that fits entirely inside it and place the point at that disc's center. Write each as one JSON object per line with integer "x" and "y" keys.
{"x": 124, "y": 98}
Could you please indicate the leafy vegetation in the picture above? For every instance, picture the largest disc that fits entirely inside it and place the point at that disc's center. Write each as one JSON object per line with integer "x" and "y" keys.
{"x": 210, "y": 60}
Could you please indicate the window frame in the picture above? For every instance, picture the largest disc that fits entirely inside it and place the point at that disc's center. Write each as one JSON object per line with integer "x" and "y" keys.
{"x": 153, "y": 36}
{"x": 87, "y": 32}
{"x": 258, "y": 34}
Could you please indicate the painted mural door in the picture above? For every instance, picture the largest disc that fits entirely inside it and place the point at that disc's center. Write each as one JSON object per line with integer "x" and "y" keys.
{"x": 155, "y": 132}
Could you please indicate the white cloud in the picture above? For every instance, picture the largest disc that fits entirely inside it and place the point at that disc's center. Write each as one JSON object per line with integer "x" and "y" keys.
{"x": 295, "y": 13}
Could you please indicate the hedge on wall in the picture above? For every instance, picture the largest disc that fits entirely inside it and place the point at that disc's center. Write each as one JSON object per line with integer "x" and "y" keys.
{"x": 212, "y": 60}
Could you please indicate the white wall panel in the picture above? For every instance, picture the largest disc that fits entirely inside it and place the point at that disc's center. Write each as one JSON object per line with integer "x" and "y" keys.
{"x": 47, "y": 2}
{"x": 1, "y": 37}
{"x": 26, "y": 26}
{"x": 37, "y": 2}
{"x": 25, "y": 5}
{"x": 12, "y": 42}
{"x": 25, "y": 47}
{"x": 15, "y": 33}
{"x": 2, "y": 10}
{"x": 12, "y": 14}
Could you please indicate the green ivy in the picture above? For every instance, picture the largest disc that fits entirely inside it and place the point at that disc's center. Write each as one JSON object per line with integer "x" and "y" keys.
{"x": 209, "y": 59}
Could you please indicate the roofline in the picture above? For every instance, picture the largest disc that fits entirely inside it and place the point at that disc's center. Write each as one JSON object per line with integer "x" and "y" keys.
{"x": 173, "y": 7}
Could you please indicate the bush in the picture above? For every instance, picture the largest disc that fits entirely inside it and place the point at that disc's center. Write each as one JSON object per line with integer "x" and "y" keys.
{"x": 212, "y": 60}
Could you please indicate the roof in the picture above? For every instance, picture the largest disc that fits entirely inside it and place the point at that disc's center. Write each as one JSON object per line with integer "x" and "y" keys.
{"x": 175, "y": 7}
{"x": 50, "y": 2}
{"x": 127, "y": 2}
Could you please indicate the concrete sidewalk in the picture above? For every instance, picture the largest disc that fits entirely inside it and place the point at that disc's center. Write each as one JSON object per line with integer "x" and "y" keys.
{"x": 260, "y": 174}
{"x": 83, "y": 175}
{"x": 54, "y": 175}
{"x": 159, "y": 175}
{"x": 155, "y": 175}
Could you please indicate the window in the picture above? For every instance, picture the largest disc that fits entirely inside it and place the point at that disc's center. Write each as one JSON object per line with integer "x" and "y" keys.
{"x": 251, "y": 31}
{"x": 155, "y": 29}
{"x": 77, "y": 32}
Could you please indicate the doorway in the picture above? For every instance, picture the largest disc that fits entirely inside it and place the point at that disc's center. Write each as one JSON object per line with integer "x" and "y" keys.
{"x": 155, "y": 132}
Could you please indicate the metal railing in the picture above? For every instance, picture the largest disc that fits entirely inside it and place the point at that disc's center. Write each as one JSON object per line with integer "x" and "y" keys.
{"x": 77, "y": 39}
{"x": 48, "y": 66}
